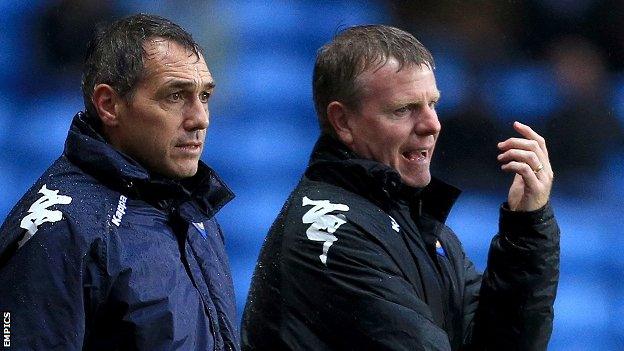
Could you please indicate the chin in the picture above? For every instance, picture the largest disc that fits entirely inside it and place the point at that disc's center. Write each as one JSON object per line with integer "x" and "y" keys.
{"x": 419, "y": 181}
{"x": 188, "y": 173}
{"x": 181, "y": 173}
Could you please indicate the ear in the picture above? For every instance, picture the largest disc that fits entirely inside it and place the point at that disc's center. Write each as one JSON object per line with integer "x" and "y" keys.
{"x": 338, "y": 117}
{"x": 106, "y": 101}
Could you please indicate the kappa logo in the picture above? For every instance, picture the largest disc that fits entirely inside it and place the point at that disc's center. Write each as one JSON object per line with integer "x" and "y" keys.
{"x": 323, "y": 224}
{"x": 394, "y": 223}
{"x": 39, "y": 212}
{"x": 121, "y": 210}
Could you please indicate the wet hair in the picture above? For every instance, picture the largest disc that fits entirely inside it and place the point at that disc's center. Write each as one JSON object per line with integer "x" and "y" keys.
{"x": 115, "y": 54}
{"x": 354, "y": 51}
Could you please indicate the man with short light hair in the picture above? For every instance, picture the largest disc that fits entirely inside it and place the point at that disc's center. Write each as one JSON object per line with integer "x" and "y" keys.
{"x": 116, "y": 245}
{"x": 359, "y": 257}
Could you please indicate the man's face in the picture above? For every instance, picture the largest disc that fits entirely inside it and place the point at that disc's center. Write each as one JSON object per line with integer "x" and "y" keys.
{"x": 396, "y": 123}
{"x": 163, "y": 126}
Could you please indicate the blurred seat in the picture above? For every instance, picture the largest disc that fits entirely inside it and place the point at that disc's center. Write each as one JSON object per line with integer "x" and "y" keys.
{"x": 474, "y": 219}
{"x": 525, "y": 92}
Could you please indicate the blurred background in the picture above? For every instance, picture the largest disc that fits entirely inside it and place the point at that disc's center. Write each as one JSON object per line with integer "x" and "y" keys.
{"x": 557, "y": 65}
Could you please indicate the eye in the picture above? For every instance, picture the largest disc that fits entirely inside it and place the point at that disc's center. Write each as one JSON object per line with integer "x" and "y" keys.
{"x": 203, "y": 97}
{"x": 174, "y": 97}
{"x": 402, "y": 111}
{"x": 433, "y": 103}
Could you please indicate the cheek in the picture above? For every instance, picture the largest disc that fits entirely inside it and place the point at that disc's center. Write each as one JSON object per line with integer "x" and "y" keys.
{"x": 393, "y": 140}
{"x": 384, "y": 148}
{"x": 163, "y": 129}
{"x": 155, "y": 138}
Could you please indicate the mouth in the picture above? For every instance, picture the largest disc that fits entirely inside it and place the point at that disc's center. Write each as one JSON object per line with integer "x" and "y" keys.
{"x": 190, "y": 146}
{"x": 418, "y": 155}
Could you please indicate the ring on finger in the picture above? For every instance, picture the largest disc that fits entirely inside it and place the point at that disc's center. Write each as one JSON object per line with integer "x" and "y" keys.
{"x": 538, "y": 169}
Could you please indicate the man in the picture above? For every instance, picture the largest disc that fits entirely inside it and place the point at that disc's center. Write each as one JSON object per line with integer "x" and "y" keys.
{"x": 116, "y": 245}
{"x": 359, "y": 257}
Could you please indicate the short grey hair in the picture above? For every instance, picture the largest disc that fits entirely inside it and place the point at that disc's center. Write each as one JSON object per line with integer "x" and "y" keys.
{"x": 353, "y": 51}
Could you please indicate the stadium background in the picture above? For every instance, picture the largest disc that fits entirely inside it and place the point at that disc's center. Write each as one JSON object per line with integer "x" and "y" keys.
{"x": 554, "y": 64}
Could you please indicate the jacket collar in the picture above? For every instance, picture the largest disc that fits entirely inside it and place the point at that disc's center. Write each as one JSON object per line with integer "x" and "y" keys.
{"x": 88, "y": 149}
{"x": 331, "y": 161}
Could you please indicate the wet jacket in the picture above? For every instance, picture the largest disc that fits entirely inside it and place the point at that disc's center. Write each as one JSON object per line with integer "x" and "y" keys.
{"x": 358, "y": 261}
{"x": 101, "y": 255}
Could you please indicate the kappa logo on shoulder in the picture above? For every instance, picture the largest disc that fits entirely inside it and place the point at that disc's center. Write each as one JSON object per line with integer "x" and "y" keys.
{"x": 40, "y": 212}
{"x": 323, "y": 225}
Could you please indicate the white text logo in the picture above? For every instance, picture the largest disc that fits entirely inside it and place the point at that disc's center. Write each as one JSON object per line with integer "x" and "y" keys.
{"x": 121, "y": 210}
{"x": 39, "y": 212}
{"x": 6, "y": 329}
{"x": 323, "y": 225}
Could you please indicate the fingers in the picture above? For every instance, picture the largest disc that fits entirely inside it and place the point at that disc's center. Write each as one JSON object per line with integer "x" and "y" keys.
{"x": 530, "y": 134}
{"x": 531, "y": 151}
{"x": 521, "y": 144}
{"x": 524, "y": 170}
{"x": 529, "y": 158}
{"x": 534, "y": 145}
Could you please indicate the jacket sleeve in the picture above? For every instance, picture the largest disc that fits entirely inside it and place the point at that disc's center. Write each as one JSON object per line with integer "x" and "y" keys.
{"x": 518, "y": 288}
{"x": 41, "y": 291}
{"x": 360, "y": 299}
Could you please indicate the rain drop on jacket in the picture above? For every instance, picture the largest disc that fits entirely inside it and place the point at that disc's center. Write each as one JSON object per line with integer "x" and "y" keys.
{"x": 100, "y": 255}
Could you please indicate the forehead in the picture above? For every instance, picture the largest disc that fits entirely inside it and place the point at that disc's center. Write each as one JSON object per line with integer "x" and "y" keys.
{"x": 164, "y": 56}
{"x": 391, "y": 78}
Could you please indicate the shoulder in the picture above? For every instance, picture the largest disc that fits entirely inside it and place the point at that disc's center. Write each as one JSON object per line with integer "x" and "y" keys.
{"x": 313, "y": 204}
{"x": 65, "y": 203}
{"x": 318, "y": 216}
{"x": 315, "y": 197}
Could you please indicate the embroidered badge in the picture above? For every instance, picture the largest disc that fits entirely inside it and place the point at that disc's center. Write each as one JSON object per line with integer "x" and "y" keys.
{"x": 439, "y": 249}
{"x": 40, "y": 212}
{"x": 200, "y": 228}
{"x": 323, "y": 224}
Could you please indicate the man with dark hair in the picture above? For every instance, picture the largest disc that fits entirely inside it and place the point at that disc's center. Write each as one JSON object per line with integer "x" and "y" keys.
{"x": 360, "y": 258}
{"x": 116, "y": 245}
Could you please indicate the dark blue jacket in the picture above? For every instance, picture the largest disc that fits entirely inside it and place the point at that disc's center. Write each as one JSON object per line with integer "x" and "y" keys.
{"x": 99, "y": 254}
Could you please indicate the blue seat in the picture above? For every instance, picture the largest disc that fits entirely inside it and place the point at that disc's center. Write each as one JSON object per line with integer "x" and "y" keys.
{"x": 474, "y": 219}
{"x": 522, "y": 91}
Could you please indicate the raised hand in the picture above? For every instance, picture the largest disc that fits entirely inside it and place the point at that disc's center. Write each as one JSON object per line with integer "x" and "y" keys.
{"x": 527, "y": 157}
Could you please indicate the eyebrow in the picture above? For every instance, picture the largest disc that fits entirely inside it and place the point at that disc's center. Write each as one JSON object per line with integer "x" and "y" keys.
{"x": 436, "y": 96}
{"x": 186, "y": 84}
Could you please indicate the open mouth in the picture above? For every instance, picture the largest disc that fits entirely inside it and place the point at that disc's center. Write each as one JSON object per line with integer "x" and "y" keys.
{"x": 416, "y": 155}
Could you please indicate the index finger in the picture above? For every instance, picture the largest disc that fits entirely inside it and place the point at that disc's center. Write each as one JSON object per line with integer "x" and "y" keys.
{"x": 529, "y": 133}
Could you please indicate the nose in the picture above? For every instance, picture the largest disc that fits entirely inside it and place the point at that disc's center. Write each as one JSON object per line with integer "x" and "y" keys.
{"x": 197, "y": 116}
{"x": 427, "y": 122}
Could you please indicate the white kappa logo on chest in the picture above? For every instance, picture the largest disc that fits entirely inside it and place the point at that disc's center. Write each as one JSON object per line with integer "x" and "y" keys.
{"x": 39, "y": 212}
{"x": 395, "y": 225}
{"x": 323, "y": 224}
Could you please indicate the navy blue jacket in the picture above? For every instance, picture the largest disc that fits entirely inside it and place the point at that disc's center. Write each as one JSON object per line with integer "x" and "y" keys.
{"x": 101, "y": 255}
{"x": 356, "y": 260}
